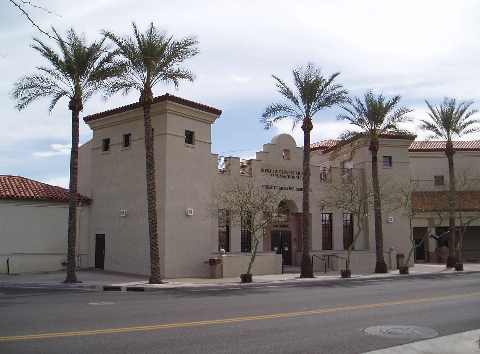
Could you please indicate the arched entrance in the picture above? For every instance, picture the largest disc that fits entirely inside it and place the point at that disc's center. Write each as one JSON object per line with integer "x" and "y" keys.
{"x": 281, "y": 231}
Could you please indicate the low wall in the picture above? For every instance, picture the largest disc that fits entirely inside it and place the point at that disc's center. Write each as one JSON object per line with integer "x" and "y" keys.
{"x": 31, "y": 263}
{"x": 265, "y": 263}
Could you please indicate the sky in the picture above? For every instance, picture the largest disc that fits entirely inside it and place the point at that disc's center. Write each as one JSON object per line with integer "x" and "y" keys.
{"x": 417, "y": 49}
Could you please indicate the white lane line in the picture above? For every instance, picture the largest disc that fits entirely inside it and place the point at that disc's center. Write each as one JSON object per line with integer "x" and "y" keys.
{"x": 101, "y": 303}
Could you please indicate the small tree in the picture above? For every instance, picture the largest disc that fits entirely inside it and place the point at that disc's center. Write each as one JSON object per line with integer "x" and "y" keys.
{"x": 466, "y": 212}
{"x": 253, "y": 203}
{"x": 412, "y": 202}
{"x": 349, "y": 192}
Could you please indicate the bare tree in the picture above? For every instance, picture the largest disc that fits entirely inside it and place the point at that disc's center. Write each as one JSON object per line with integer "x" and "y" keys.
{"x": 466, "y": 211}
{"x": 25, "y": 7}
{"x": 350, "y": 193}
{"x": 254, "y": 204}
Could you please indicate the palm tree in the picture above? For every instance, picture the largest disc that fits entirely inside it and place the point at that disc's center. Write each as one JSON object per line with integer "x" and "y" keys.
{"x": 373, "y": 117}
{"x": 151, "y": 58}
{"x": 448, "y": 120}
{"x": 312, "y": 93}
{"x": 76, "y": 72}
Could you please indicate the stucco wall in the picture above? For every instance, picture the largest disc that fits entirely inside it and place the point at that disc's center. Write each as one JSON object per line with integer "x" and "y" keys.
{"x": 265, "y": 263}
{"x": 33, "y": 236}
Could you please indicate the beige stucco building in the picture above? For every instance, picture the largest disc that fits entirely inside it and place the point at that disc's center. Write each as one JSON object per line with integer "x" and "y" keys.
{"x": 113, "y": 230}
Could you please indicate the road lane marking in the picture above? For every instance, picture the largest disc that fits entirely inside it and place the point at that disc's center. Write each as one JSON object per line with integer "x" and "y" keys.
{"x": 283, "y": 315}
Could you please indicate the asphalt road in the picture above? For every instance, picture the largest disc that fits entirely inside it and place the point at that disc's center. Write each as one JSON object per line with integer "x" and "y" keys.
{"x": 326, "y": 318}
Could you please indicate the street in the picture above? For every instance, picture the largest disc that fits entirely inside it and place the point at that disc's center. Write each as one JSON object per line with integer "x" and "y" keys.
{"x": 320, "y": 318}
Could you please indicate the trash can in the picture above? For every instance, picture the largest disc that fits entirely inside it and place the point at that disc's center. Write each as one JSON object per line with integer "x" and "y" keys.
{"x": 216, "y": 270}
{"x": 400, "y": 260}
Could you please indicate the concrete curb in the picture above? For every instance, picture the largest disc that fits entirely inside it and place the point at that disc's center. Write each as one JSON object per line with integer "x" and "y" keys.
{"x": 220, "y": 286}
{"x": 281, "y": 283}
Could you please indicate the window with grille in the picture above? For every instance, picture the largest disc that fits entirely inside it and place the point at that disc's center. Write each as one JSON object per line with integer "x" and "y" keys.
{"x": 246, "y": 235}
{"x": 387, "y": 162}
{"x": 327, "y": 231}
{"x": 347, "y": 230}
{"x": 224, "y": 230}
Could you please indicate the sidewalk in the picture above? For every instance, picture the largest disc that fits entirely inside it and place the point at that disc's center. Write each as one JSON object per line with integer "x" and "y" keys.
{"x": 103, "y": 280}
{"x": 460, "y": 343}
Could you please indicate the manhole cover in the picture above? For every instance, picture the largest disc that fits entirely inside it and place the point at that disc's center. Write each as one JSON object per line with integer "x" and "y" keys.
{"x": 406, "y": 332}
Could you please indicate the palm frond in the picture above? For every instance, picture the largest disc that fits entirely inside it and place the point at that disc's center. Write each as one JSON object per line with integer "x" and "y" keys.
{"x": 449, "y": 119}
{"x": 311, "y": 93}
{"x": 150, "y": 58}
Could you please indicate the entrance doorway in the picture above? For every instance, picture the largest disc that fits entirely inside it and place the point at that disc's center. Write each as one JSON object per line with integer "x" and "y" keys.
{"x": 281, "y": 243}
{"x": 100, "y": 251}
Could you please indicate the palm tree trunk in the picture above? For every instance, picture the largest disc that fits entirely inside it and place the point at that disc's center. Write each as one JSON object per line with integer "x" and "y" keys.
{"x": 306, "y": 265}
{"x": 380, "y": 266}
{"x": 75, "y": 107}
{"x": 155, "y": 277}
{"x": 452, "y": 259}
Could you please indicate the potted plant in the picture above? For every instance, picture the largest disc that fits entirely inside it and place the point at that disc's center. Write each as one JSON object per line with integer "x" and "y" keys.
{"x": 346, "y": 273}
{"x": 403, "y": 269}
{"x": 459, "y": 267}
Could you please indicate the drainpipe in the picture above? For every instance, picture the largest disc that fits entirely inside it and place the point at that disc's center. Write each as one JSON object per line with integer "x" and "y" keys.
{"x": 8, "y": 265}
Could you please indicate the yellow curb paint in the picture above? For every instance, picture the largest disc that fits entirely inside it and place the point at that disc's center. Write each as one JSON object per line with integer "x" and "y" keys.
{"x": 230, "y": 320}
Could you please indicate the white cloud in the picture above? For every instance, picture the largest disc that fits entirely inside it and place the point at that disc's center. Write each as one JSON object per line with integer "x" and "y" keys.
{"x": 322, "y": 130}
{"x": 241, "y": 79}
{"x": 55, "y": 150}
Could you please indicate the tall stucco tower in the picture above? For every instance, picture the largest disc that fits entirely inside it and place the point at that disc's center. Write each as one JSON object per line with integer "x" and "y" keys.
{"x": 112, "y": 173}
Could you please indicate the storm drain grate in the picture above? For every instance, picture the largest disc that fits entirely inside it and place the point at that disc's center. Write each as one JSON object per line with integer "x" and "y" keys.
{"x": 401, "y": 332}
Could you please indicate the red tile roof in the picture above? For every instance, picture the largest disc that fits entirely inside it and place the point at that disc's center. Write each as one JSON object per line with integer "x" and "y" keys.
{"x": 438, "y": 201}
{"x": 165, "y": 97}
{"x": 324, "y": 144}
{"x": 21, "y": 188}
{"x": 329, "y": 145}
{"x": 436, "y": 145}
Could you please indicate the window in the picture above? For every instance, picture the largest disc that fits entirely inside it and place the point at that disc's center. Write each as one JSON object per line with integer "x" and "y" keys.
{"x": 347, "y": 230}
{"x": 189, "y": 137}
{"x": 324, "y": 175}
{"x": 106, "y": 144}
{"x": 387, "y": 161}
{"x": 286, "y": 154}
{"x": 126, "y": 140}
{"x": 224, "y": 230}
{"x": 439, "y": 180}
{"x": 246, "y": 235}
{"x": 327, "y": 232}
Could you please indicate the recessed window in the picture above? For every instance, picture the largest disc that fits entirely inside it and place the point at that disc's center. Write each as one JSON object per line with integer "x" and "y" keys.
{"x": 106, "y": 144}
{"x": 327, "y": 231}
{"x": 286, "y": 154}
{"x": 387, "y": 161}
{"x": 439, "y": 180}
{"x": 189, "y": 137}
{"x": 126, "y": 140}
{"x": 324, "y": 175}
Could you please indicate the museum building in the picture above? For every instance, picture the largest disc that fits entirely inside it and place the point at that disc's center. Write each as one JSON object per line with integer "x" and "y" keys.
{"x": 113, "y": 230}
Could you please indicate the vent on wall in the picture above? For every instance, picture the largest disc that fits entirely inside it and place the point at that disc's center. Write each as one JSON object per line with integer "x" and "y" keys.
{"x": 189, "y": 211}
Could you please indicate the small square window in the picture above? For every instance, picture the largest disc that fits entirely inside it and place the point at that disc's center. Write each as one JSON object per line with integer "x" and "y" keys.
{"x": 387, "y": 161}
{"x": 106, "y": 144}
{"x": 286, "y": 154}
{"x": 126, "y": 140}
{"x": 189, "y": 137}
{"x": 438, "y": 180}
